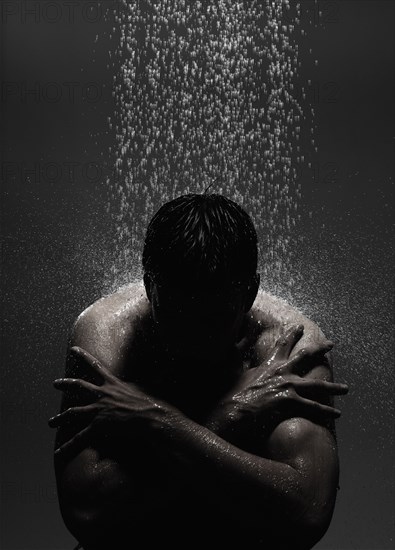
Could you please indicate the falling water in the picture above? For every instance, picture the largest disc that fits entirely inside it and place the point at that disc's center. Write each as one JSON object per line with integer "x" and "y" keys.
{"x": 206, "y": 94}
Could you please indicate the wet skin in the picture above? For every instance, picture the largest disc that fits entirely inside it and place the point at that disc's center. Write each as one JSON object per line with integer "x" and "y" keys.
{"x": 177, "y": 423}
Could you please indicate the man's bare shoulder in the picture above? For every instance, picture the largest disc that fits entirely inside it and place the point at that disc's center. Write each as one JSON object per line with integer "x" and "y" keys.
{"x": 106, "y": 327}
{"x": 114, "y": 306}
{"x": 275, "y": 315}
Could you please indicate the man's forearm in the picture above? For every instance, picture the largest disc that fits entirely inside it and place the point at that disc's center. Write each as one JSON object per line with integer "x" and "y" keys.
{"x": 200, "y": 458}
{"x": 188, "y": 447}
{"x": 231, "y": 424}
{"x": 256, "y": 486}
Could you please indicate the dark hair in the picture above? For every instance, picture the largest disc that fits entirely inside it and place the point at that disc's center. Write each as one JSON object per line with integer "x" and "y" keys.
{"x": 206, "y": 238}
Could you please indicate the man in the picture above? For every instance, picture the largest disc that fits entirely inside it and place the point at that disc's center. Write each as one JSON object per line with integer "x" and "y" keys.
{"x": 200, "y": 413}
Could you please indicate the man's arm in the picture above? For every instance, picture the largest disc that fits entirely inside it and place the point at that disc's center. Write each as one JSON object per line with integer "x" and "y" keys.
{"x": 292, "y": 479}
{"x": 310, "y": 448}
{"x": 293, "y": 485}
{"x": 274, "y": 391}
{"x": 306, "y": 441}
{"x": 274, "y": 486}
{"x": 96, "y": 480}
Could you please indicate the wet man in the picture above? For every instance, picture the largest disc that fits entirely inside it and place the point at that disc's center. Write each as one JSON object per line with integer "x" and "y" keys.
{"x": 198, "y": 411}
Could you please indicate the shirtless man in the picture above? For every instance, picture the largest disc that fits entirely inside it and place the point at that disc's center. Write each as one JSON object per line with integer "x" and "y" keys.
{"x": 199, "y": 410}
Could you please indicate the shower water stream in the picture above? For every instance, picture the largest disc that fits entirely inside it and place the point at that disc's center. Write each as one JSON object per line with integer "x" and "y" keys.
{"x": 207, "y": 94}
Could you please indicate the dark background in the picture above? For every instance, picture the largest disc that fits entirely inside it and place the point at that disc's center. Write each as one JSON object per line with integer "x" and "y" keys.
{"x": 58, "y": 243}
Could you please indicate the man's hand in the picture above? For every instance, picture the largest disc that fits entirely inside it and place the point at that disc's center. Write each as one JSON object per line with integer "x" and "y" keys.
{"x": 275, "y": 390}
{"x": 116, "y": 404}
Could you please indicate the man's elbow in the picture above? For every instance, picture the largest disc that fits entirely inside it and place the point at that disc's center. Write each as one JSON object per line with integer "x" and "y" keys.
{"x": 313, "y": 525}
{"x": 83, "y": 524}
{"x": 303, "y": 534}
{"x": 96, "y": 531}
{"x": 93, "y": 516}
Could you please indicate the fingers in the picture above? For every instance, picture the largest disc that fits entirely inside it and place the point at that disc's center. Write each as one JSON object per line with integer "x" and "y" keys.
{"x": 315, "y": 407}
{"x": 67, "y": 384}
{"x": 97, "y": 367}
{"x": 298, "y": 362}
{"x": 74, "y": 442}
{"x": 285, "y": 344}
{"x": 70, "y": 415}
{"x": 332, "y": 388}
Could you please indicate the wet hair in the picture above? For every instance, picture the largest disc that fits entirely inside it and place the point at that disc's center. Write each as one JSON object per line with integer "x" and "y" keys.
{"x": 205, "y": 238}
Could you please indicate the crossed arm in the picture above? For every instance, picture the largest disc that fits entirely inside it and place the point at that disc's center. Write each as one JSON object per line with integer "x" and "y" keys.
{"x": 293, "y": 475}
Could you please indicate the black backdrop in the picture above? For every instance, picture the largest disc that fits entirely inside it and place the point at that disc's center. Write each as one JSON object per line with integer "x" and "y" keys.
{"x": 58, "y": 240}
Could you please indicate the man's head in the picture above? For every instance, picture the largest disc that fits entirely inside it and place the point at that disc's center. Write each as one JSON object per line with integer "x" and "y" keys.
{"x": 200, "y": 261}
